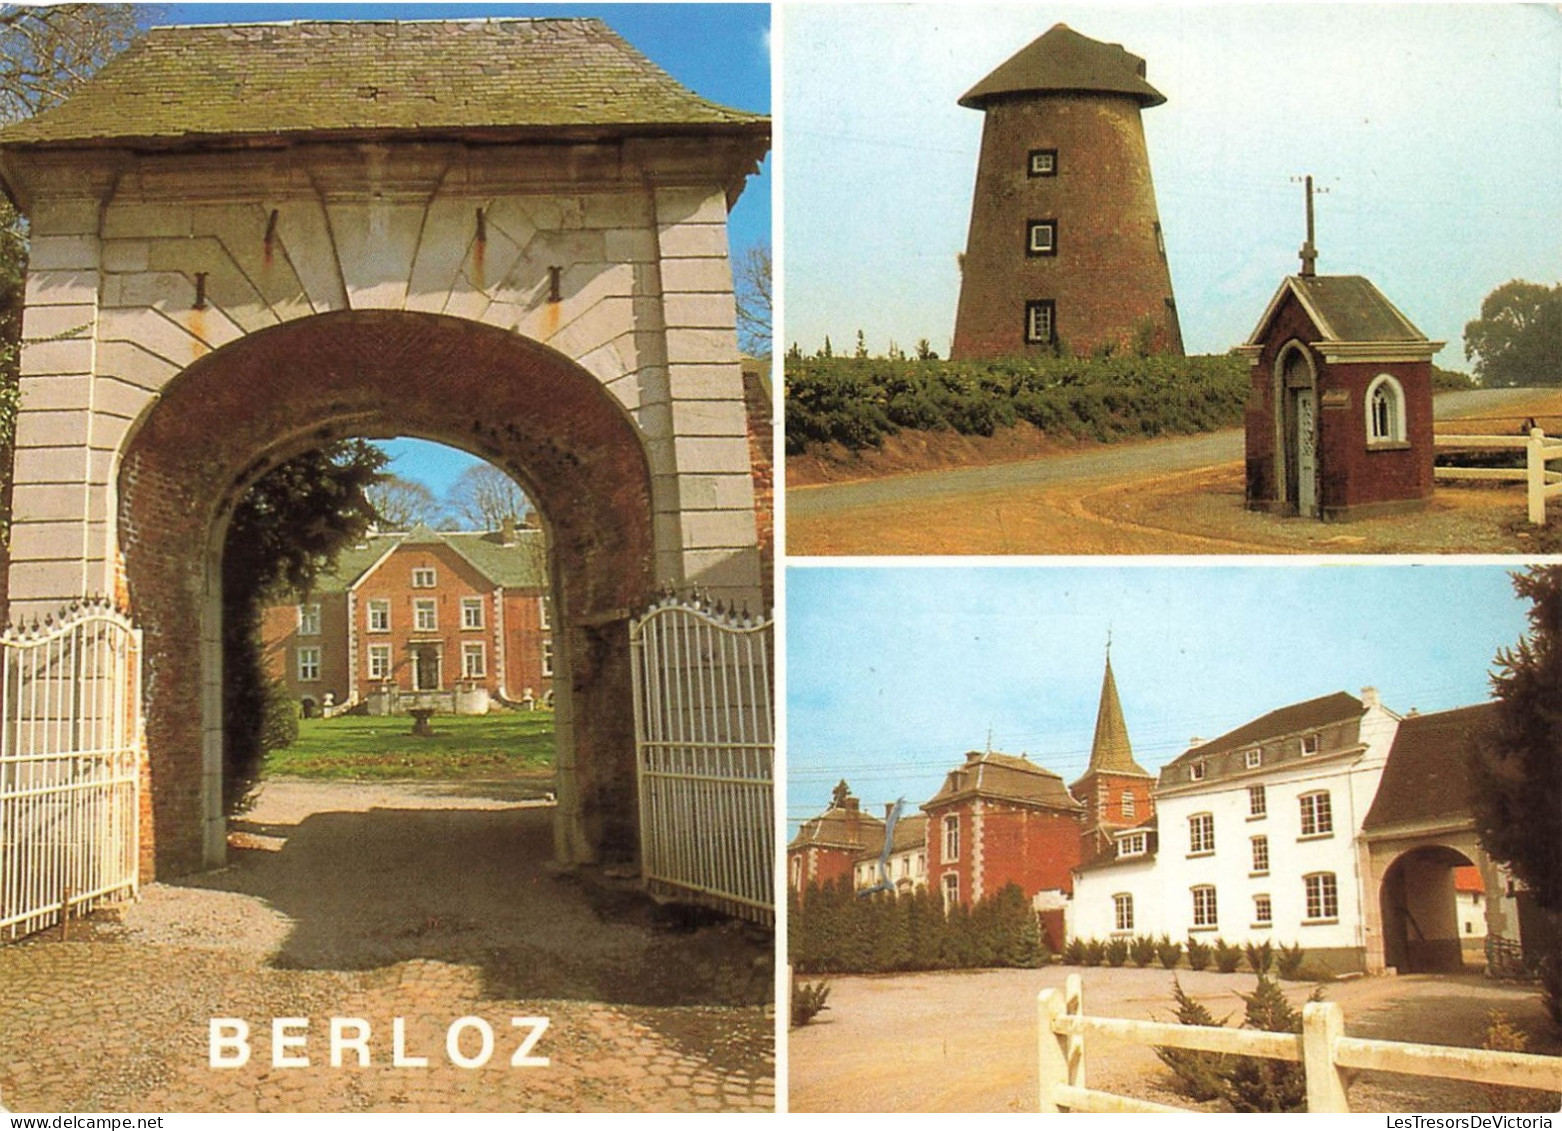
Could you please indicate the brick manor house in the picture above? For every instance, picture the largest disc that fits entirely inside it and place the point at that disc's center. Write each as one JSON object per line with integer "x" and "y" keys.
{"x": 456, "y": 621}
{"x": 1333, "y": 823}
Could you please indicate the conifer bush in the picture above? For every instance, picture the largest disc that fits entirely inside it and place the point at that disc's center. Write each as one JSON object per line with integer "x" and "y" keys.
{"x": 1199, "y": 1074}
{"x": 1170, "y": 953}
{"x": 1260, "y": 956}
{"x": 1074, "y": 952}
{"x": 1198, "y": 954}
{"x": 1142, "y": 950}
{"x": 1258, "y": 1083}
{"x": 1226, "y": 956}
{"x": 1117, "y": 951}
{"x": 1095, "y": 952}
{"x": 1290, "y": 960}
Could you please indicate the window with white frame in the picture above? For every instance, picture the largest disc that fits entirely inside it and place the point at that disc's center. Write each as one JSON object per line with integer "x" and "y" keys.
{"x": 471, "y": 612}
{"x": 1042, "y": 163}
{"x": 424, "y": 578}
{"x": 1317, "y": 817}
{"x": 1201, "y": 834}
{"x": 1128, "y": 803}
{"x": 1263, "y": 911}
{"x": 425, "y": 614}
{"x": 1123, "y": 911}
{"x": 1323, "y": 898}
{"x": 1204, "y": 913}
{"x": 1260, "y": 855}
{"x": 379, "y": 616}
{"x": 1385, "y": 411}
{"x": 474, "y": 663}
{"x": 921, "y": 863}
{"x": 309, "y": 620}
{"x": 1134, "y": 844}
{"x": 544, "y": 616}
{"x": 379, "y": 661}
{"x": 1196, "y": 771}
{"x": 1253, "y": 759}
{"x": 1309, "y": 744}
{"x": 1041, "y": 321}
{"x": 951, "y": 890}
{"x": 1041, "y": 237}
{"x": 797, "y": 872}
{"x": 308, "y": 664}
{"x": 1257, "y": 801}
{"x": 951, "y": 838}
{"x": 547, "y": 657}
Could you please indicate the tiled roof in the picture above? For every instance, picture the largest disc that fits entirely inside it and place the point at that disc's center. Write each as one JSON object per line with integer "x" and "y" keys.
{"x": 459, "y": 78}
{"x": 1006, "y": 778}
{"x": 518, "y": 565}
{"x": 1063, "y": 61}
{"x": 1425, "y": 778}
{"x": 1109, "y": 858}
{"x": 1311, "y": 715}
{"x": 842, "y": 828}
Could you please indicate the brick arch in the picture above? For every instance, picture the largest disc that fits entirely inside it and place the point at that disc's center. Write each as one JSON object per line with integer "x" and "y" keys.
{"x": 234, "y": 413}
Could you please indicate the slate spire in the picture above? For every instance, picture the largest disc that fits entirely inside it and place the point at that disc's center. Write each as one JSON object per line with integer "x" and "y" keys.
{"x": 1110, "y": 751}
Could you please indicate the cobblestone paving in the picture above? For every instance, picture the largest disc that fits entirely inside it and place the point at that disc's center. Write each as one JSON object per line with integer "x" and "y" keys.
{"x": 117, "y": 1019}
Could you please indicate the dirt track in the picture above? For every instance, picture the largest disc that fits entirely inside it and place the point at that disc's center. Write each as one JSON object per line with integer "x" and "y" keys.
{"x": 966, "y": 1041}
{"x": 1174, "y": 496}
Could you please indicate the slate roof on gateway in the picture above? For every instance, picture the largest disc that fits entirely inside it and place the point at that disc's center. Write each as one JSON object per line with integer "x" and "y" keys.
{"x": 458, "y": 78}
{"x": 1425, "y": 778}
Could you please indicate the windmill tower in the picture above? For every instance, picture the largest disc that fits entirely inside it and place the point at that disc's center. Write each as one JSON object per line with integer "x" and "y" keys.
{"x": 1065, "y": 243}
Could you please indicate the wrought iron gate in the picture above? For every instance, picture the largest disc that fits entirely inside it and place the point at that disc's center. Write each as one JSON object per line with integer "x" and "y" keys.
{"x": 70, "y": 774}
{"x": 705, "y": 754}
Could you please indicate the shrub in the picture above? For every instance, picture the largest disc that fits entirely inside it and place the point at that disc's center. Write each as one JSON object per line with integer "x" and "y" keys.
{"x": 1170, "y": 953}
{"x": 1260, "y": 957}
{"x": 1095, "y": 951}
{"x": 1226, "y": 956}
{"x": 1074, "y": 952}
{"x": 1142, "y": 950}
{"x": 279, "y": 727}
{"x": 1257, "y": 1083}
{"x": 808, "y": 1001}
{"x": 1198, "y": 1073}
{"x": 1198, "y": 954}
{"x": 1117, "y": 952}
{"x": 1551, "y": 988}
{"x": 1503, "y": 1036}
{"x": 1290, "y": 961}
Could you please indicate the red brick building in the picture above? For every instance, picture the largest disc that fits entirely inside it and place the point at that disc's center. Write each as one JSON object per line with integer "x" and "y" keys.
{"x": 1339, "y": 418}
{"x": 997, "y": 820}
{"x": 826, "y": 847}
{"x": 458, "y": 619}
{"x": 1065, "y": 244}
{"x": 1116, "y": 791}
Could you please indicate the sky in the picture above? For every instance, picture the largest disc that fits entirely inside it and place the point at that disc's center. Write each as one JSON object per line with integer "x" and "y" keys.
{"x": 894, "y": 673}
{"x": 720, "y": 51}
{"x": 1436, "y": 131}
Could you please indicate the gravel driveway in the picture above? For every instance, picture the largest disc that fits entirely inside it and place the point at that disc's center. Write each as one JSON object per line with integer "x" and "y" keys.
{"x": 424, "y": 902}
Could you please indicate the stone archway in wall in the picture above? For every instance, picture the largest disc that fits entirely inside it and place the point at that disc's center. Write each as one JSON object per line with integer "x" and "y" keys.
{"x": 237, "y": 412}
{"x": 1418, "y": 911}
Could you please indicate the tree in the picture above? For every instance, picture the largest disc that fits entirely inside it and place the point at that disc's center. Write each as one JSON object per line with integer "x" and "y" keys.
{"x": 751, "y": 288}
{"x": 483, "y": 497}
{"x": 1517, "y": 340}
{"x": 289, "y": 527}
{"x": 400, "y": 504}
{"x": 1516, "y": 770}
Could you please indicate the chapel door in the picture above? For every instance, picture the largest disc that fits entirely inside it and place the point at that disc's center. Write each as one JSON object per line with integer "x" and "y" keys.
{"x": 1306, "y": 453}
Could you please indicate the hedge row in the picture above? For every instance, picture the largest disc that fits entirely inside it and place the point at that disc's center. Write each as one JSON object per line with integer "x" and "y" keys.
{"x": 859, "y": 401}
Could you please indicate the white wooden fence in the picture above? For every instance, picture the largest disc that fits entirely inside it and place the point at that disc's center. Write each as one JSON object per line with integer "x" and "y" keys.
{"x": 1321, "y": 1047}
{"x": 1541, "y": 483}
{"x": 705, "y": 754}
{"x": 70, "y": 774}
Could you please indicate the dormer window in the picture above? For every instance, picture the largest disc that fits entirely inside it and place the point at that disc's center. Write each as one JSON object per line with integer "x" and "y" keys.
{"x": 1134, "y": 844}
{"x": 1042, "y": 163}
{"x": 1309, "y": 744}
{"x": 1196, "y": 771}
{"x": 1253, "y": 759}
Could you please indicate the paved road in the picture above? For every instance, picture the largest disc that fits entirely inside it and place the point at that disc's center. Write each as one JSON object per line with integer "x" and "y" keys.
{"x": 1182, "y": 453}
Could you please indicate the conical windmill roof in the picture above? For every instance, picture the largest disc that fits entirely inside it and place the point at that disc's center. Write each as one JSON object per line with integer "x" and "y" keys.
{"x": 1063, "y": 61}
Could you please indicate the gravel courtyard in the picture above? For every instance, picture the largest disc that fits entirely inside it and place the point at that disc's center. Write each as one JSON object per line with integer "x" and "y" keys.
{"x": 425, "y": 902}
{"x": 966, "y": 1040}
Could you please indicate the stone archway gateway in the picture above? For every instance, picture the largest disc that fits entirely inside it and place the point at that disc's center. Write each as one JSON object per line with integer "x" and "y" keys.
{"x": 519, "y": 251}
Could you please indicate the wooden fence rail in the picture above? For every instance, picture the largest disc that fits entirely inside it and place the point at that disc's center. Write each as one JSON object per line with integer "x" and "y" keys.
{"x": 1322, "y": 1048}
{"x": 1541, "y": 482}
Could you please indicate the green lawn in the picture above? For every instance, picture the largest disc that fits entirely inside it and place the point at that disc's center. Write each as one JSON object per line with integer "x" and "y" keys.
{"x": 503, "y": 745}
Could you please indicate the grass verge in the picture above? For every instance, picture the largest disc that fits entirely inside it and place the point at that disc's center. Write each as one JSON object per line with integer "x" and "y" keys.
{"x": 498, "y": 746}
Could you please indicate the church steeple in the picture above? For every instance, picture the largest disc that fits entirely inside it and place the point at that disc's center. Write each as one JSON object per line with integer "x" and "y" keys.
{"x": 1110, "y": 751}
